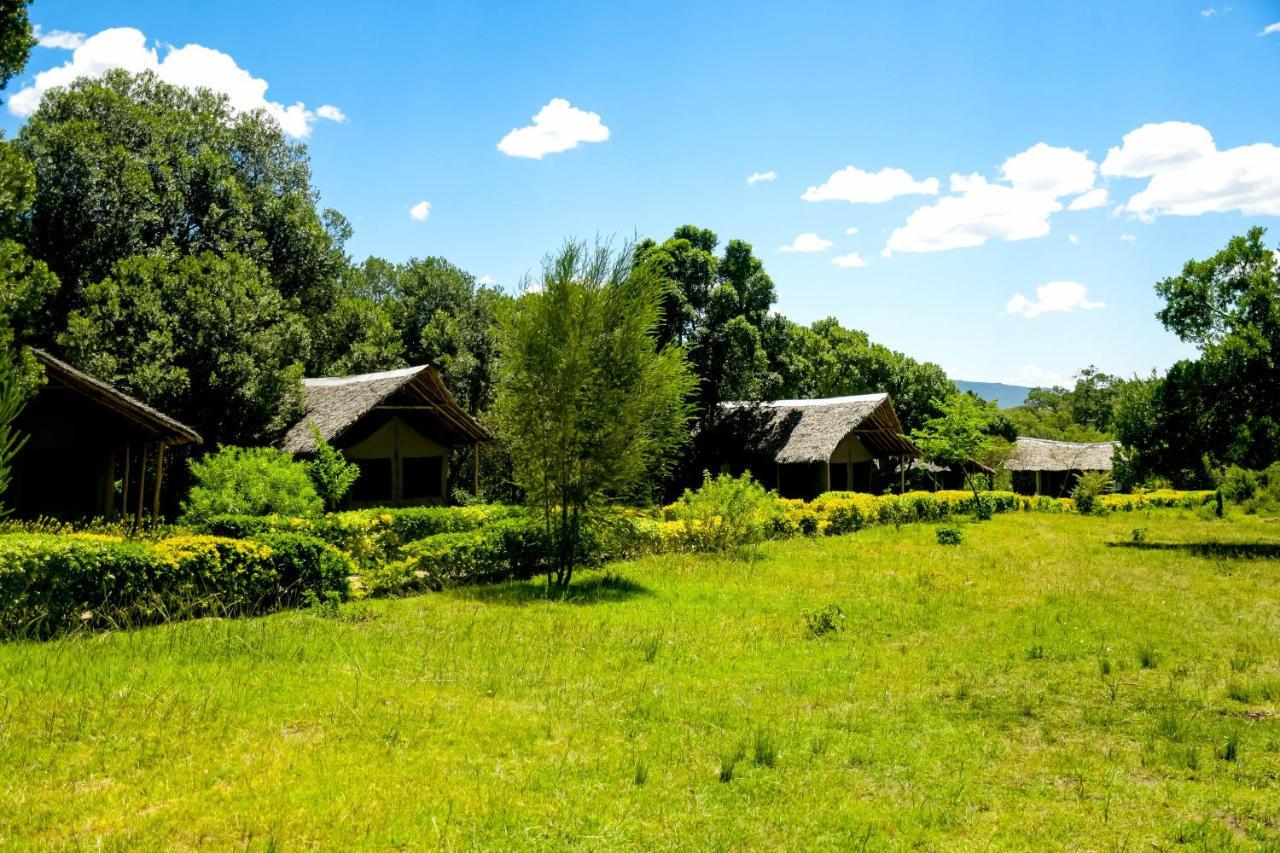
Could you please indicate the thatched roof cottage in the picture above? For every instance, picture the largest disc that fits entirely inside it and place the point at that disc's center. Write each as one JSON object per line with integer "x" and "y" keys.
{"x": 84, "y": 437}
{"x": 1042, "y": 466}
{"x": 805, "y": 447}
{"x": 398, "y": 426}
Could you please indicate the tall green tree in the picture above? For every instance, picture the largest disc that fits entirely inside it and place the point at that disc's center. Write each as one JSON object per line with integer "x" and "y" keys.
{"x": 16, "y": 39}
{"x": 204, "y": 338}
{"x": 129, "y": 165}
{"x": 719, "y": 309}
{"x": 962, "y": 433}
{"x": 592, "y": 410}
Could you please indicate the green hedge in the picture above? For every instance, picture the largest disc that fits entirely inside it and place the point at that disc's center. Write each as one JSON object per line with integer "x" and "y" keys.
{"x": 51, "y": 584}
{"x": 371, "y": 537}
{"x": 510, "y": 548}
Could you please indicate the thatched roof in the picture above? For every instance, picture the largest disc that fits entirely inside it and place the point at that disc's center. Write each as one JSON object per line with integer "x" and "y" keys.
{"x": 336, "y": 403}
{"x": 799, "y": 431}
{"x": 59, "y": 374}
{"x": 1042, "y": 454}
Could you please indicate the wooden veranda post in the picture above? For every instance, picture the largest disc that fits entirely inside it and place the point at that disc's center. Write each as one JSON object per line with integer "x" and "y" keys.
{"x": 475, "y": 470}
{"x": 124, "y": 485}
{"x": 142, "y": 487}
{"x": 155, "y": 490}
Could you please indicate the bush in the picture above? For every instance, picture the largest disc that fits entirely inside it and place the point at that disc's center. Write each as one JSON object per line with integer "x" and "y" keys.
{"x": 1238, "y": 485}
{"x": 828, "y": 620}
{"x": 948, "y": 534}
{"x": 511, "y": 548}
{"x": 725, "y": 513}
{"x": 1089, "y": 487}
{"x": 331, "y": 474}
{"x": 51, "y": 584}
{"x": 249, "y": 481}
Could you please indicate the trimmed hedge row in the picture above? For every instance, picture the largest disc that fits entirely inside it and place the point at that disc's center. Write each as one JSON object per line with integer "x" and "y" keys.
{"x": 370, "y": 537}
{"x": 51, "y": 584}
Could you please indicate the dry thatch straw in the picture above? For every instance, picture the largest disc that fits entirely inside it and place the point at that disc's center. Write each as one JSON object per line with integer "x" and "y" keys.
{"x": 336, "y": 403}
{"x": 805, "y": 431}
{"x": 1043, "y": 454}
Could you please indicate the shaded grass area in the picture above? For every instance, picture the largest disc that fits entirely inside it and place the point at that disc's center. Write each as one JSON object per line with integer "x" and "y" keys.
{"x": 1032, "y": 686}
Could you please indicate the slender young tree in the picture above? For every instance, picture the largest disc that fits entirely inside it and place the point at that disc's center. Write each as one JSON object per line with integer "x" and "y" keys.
{"x": 591, "y": 408}
{"x": 961, "y": 435}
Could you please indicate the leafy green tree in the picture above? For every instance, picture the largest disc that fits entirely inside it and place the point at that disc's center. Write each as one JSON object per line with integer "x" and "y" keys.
{"x": 13, "y": 397}
{"x": 718, "y": 308}
{"x": 827, "y": 360}
{"x": 128, "y": 165}
{"x": 332, "y": 475}
{"x": 249, "y": 481}
{"x": 206, "y": 339}
{"x": 961, "y": 433}
{"x": 16, "y": 40}
{"x": 589, "y": 407}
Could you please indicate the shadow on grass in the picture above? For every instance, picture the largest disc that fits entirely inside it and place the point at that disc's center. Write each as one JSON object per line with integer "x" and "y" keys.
{"x": 1232, "y": 550}
{"x": 594, "y": 589}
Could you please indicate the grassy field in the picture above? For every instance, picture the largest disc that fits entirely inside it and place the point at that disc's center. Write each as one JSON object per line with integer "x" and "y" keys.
{"x": 1043, "y": 683}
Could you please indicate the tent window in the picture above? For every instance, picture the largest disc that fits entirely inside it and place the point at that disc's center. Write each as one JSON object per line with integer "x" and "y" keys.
{"x": 422, "y": 475}
{"x": 374, "y": 483}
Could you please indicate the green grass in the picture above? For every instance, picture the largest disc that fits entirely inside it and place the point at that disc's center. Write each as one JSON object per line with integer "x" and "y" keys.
{"x": 1049, "y": 681}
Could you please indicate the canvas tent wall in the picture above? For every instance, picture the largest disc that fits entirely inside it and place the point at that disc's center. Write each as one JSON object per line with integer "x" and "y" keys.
{"x": 1042, "y": 466}
{"x": 805, "y": 447}
{"x": 398, "y": 426}
{"x": 91, "y": 451}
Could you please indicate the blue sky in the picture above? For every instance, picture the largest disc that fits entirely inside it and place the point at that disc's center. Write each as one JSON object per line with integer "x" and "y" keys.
{"x": 696, "y": 98}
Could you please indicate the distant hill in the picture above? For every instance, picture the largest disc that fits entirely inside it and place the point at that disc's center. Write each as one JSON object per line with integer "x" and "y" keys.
{"x": 1005, "y": 396}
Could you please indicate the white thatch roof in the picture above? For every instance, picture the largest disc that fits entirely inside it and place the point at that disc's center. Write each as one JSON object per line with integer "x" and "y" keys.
{"x": 799, "y": 431}
{"x": 1043, "y": 454}
{"x": 336, "y": 403}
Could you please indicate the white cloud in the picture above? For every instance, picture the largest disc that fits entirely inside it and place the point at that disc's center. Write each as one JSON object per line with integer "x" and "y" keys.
{"x": 420, "y": 211}
{"x": 1088, "y": 201}
{"x": 484, "y": 280}
{"x": 1075, "y": 241}
{"x": 853, "y": 259}
{"x": 853, "y": 185}
{"x": 979, "y": 212}
{"x": 1036, "y": 377}
{"x": 807, "y": 242}
{"x": 57, "y": 39}
{"x": 557, "y": 127}
{"x": 1129, "y": 238}
{"x": 1208, "y": 13}
{"x": 756, "y": 177}
{"x": 330, "y": 113}
{"x": 190, "y": 66}
{"x": 1045, "y": 169}
{"x": 1189, "y": 175}
{"x": 1052, "y": 298}
{"x": 852, "y": 229}
{"x": 1153, "y": 148}
{"x": 1270, "y": 29}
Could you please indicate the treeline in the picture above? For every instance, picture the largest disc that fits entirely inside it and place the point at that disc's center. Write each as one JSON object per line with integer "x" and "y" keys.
{"x": 173, "y": 247}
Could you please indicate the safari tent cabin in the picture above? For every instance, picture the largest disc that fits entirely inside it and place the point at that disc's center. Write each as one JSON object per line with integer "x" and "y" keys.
{"x": 398, "y": 426}
{"x": 802, "y": 448}
{"x": 91, "y": 451}
{"x": 1042, "y": 466}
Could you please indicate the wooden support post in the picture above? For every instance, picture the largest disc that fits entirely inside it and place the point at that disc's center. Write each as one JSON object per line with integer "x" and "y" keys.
{"x": 155, "y": 490}
{"x": 142, "y": 487}
{"x": 1037, "y": 482}
{"x": 902, "y": 475}
{"x": 124, "y": 485}
{"x": 475, "y": 471}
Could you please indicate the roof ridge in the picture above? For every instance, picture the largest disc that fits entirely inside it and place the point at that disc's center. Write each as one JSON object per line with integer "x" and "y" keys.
{"x": 817, "y": 401}
{"x": 398, "y": 373}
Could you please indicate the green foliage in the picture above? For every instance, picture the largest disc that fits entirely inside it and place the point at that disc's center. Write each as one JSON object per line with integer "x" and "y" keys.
{"x": 948, "y": 534}
{"x": 828, "y": 620}
{"x": 1238, "y": 484}
{"x": 510, "y": 548}
{"x": 331, "y": 473}
{"x": 1089, "y": 487}
{"x": 128, "y": 165}
{"x": 204, "y": 338}
{"x": 724, "y": 513}
{"x": 590, "y": 410}
{"x": 54, "y": 583}
{"x": 13, "y": 397}
{"x": 962, "y": 433}
{"x": 1084, "y": 412}
{"x": 249, "y": 481}
{"x": 16, "y": 39}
